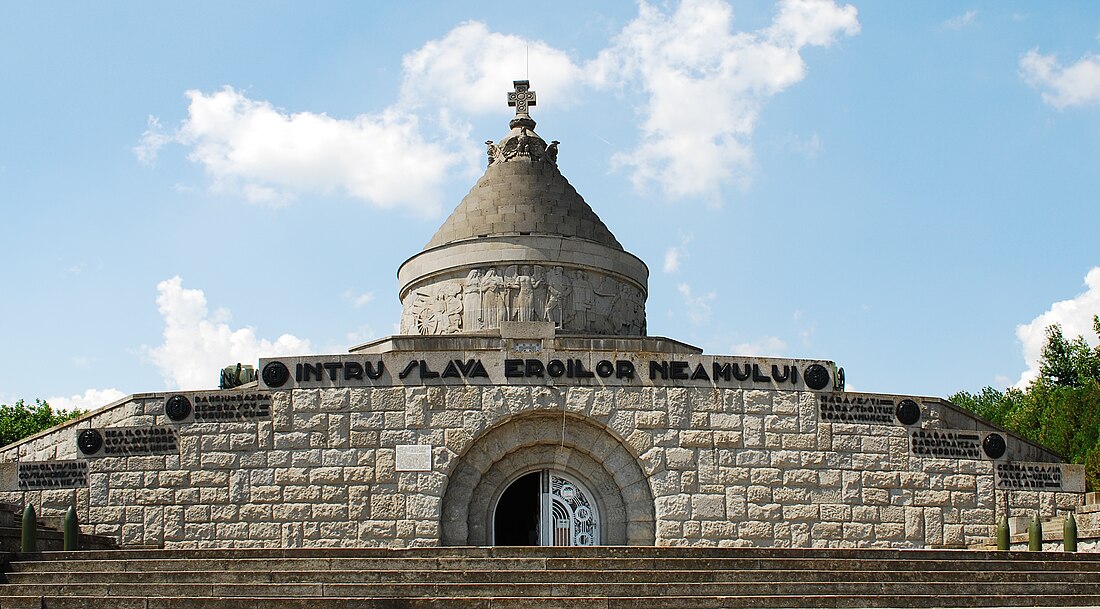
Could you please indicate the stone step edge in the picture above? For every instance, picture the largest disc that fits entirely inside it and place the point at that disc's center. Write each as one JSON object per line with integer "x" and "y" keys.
{"x": 647, "y": 602}
{"x": 505, "y": 552}
{"x": 503, "y": 576}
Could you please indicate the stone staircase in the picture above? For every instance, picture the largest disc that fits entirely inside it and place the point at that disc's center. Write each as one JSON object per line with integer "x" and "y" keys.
{"x": 535, "y": 578}
{"x": 49, "y": 532}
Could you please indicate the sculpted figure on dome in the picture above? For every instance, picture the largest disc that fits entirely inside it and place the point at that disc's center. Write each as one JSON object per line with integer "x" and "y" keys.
{"x": 450, "y": 294}
{"x": 556, "y": 294}
{"x": 551, "y": 154}
{"x": 523, "y": 302}
{"x": 493, "y": 299}
{"x": 493, "y": 152}
{"x": 471, "y": 301}
{"x": 582, "y": 302}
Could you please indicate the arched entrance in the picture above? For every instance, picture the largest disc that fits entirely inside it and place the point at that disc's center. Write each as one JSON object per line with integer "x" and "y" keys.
{"x": 494, "y": 470}
{"x": 546, "y": 508}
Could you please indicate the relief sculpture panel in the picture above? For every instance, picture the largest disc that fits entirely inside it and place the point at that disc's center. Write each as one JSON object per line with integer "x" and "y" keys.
{"x": 575, "y": 300}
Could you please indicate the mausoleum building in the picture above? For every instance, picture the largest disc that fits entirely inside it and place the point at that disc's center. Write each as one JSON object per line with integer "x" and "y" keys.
{"x": 524, "y": 403}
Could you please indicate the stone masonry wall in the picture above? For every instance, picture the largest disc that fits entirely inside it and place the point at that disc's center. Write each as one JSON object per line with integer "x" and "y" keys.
{"x": 730, "y": 467}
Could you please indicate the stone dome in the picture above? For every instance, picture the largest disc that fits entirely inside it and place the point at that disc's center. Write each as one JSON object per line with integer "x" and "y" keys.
{"x": 549, "y": 205}
{"x": 523, "y": 246}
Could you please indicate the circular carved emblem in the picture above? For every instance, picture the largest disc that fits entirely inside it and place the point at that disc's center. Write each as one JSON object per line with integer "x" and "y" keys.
{"x": 817, "y": 377}
{"x": 89, "y": 441}
{"x": 177, "y": 408}
{"x": 994, "y": 446}
{"x": 275, "y": 374}
{"x": 908, "y": 412}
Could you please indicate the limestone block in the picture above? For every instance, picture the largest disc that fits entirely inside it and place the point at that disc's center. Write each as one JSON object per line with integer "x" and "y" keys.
{"x": 753, "y": 432}
{"x": 579, "y": 399}
{"x": 708, "y": 507}
{"x": 753, "y": 458}
{"x": 803, "y": 512}
{"x": 639, "y": 441}
{"x": 785, "y": 459}
{"x": 335, "y": 400}
{"x": 325, "y": 512}
{"x": 305, "y": 400}
{"x": 387, "y": 506}
{"x": 291, "y": 440}
{"x": 876, "y": 496}
{"x": 256, "y": 513}
{"x": 281, "y": 411}
{"x": 836, "y": 512}
{"x": 785, "y": 495}
{"x": 933, "y": 525}
{"x": 651, "y": 419}
{"x": 705, "y": 400}
{"x": 725, "y": 420}
{"x": 224, "y": 513}
{"x": 697, "y": 439}
{"x": 219, "y": 460}
{"x": 733, "y": 401}
{"x": 301, "y": 494}
{"x": 769, "y": 512}
{"x": 799, "y": 441}
{"x": 766, "y": 476}
{"x": 758, "y": 402}
{"x": 755, "y": 530}
{"x": 675, "y": 507}
{"x": 676, "y": 404}
{"x": 603, "y": 401}
{"x": 291, "y": 511}
{"x": 728, "y": 439}
{"x": 363, "y": 439}
{"x": 680, "y": 458}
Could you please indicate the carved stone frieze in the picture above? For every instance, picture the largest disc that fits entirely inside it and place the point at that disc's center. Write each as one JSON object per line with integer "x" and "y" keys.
{"x": 576, "y": 300}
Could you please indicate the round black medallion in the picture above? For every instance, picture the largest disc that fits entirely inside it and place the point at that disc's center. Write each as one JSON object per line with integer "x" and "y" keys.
{"x": 994, "y": 446}
{"x": 817, "y": 377}
{"x": 89, "y": 441}
{"x": 908, "y": 412}
{"x": 275, "y": 374}
{"x": 177, "y": 408}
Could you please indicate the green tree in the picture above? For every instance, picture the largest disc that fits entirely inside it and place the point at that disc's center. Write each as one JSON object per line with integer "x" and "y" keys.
{"x": 19, "y": 420}
{"x": 1060, "y": 409}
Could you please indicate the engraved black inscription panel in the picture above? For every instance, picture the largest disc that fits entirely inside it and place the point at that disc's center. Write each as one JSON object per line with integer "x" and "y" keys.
{"x": 946, "y": 444}
{"x": 36, "y": 475}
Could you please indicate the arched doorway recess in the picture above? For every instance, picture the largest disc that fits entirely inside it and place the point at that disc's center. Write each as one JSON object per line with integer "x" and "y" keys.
{"x": 578, "y": 450}
{"x": 546, "y": 508}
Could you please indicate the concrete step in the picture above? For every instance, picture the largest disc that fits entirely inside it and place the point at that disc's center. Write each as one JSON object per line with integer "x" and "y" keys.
{"x": 541, "y": 576}
{"x": 533, "y": 578}
{"x": 641, "y": 602}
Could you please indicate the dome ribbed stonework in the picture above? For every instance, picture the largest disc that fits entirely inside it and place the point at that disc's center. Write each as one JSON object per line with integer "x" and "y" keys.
{"x": 523, "y": 198}
{"x": 523, "y": 246}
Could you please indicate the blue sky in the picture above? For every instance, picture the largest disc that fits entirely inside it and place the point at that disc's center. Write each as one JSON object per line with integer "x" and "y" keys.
{"x": 908, "y": 189}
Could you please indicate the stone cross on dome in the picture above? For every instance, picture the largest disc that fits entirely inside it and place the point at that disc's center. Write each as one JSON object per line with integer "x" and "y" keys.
{"x": 521, "y": 97}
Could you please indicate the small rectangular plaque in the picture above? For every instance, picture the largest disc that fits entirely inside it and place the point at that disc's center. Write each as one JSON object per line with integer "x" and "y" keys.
{"x": 127, "y": 441}
{"x": 1030, "y": 476}
{"x": 946, "y": 443}
{"x": 414, "y": 458}
{"x": 40, "y": 475}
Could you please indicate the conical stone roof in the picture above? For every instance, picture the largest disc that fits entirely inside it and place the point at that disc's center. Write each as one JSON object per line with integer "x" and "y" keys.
{"x": 523, "y": 246}
{"x": 525, "y": 198}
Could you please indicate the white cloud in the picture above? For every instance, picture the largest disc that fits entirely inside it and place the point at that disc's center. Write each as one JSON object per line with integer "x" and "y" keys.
{"x": 705, "y": 85}
{"x": 958, "y": 22}
{"x": 471, "y": 70}
{"x": 672, "y": 260}
{"x": 198, "y": 344}
{"x": 1077, "y": 84}
{"x": 764, "y": 346}
{"x": 270, "y": 156}
{"x": 359, "y": 300}
{"x": 151, "y": 142}
{"x": 92, "y": 399}
{"x": 697, "y": 307}
{"x": 676, "y": 255}
{"x": 1075, "y": 317}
